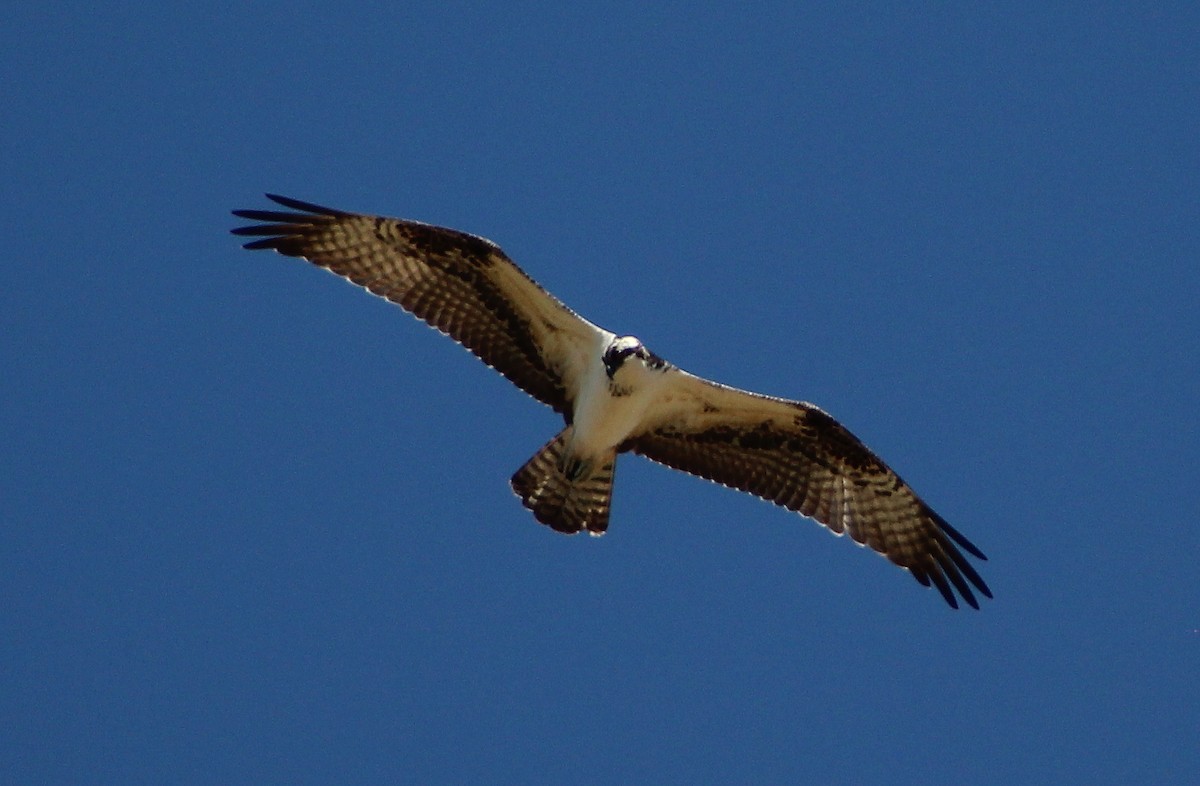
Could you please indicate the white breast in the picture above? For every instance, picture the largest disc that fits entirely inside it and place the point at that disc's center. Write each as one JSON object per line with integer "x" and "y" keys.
{"x": 602, "y": 419}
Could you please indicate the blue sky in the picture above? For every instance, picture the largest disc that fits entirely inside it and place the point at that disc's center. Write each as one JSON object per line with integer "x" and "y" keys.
{"x": 255, "y": 525}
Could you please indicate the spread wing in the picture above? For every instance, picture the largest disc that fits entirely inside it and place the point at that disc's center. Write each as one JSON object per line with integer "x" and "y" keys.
{"x": 460, "y": 284}
{"x": 795, "y": 455}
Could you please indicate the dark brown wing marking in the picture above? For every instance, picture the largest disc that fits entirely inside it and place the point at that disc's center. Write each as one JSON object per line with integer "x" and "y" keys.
{"x": 815, "y": 466}
{"x": 460, "y": 284}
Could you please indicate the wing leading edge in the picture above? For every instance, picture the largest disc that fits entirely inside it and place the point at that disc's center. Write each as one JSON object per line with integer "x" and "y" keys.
{"x": 797, "y": 456}
{"x": 460, "y": 284}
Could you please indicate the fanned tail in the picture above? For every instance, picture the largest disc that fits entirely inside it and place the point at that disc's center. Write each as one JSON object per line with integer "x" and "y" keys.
{"x": 564, "y": 493}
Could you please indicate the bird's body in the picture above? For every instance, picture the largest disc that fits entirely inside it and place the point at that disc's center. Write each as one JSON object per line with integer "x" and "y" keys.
{"x": 616, "y": 396}
{"x": 614, "y": 402}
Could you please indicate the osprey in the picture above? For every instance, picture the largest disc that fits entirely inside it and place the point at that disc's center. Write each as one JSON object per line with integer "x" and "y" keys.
{"x": 617, "y": 396}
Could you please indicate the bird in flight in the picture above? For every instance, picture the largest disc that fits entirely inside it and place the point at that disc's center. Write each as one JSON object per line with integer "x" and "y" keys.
{"x": 616, "y": 396}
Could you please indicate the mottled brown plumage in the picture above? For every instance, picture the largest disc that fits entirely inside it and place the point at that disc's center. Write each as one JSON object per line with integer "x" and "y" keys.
{"x": 458, "y": 283}
{"x": 616, "y": 396}
{"x": 805, "y": 461}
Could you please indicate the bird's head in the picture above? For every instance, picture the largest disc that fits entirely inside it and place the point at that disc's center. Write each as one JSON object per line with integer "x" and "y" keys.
{"x": 624, "y": 347}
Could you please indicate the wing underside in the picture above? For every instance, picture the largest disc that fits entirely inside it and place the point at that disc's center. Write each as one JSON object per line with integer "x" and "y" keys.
{"x": 787, "y": 452}
{"x": 460, "y": 284}
{"x": 798, "y": 457}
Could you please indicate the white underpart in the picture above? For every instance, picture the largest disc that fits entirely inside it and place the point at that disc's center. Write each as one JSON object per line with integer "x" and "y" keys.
{"x": 603, "y": 421}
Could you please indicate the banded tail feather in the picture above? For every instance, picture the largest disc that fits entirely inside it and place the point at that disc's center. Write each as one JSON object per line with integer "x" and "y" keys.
{"x": 564, "y": 493}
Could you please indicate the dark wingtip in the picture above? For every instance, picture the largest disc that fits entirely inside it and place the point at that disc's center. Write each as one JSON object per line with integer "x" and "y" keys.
{"x": 946, "y": 579}
{"x": 957, "y": 536}
{"x": 280, "y": 228}
{"x": 264, "y": 243}
{"x": 943, "y": 587}
{"x": 964, "y": 590}
{"x": 964, "y": 568}
{"x": 972, "y": 575}
{"x": 307, "y": 207}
